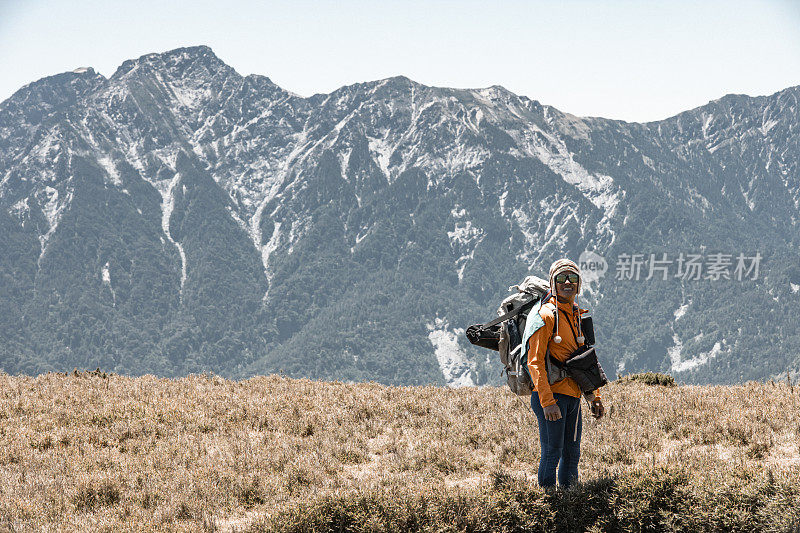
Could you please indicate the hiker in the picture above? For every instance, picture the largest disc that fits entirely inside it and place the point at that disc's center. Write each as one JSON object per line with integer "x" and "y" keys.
{"x": 558, "y": 405}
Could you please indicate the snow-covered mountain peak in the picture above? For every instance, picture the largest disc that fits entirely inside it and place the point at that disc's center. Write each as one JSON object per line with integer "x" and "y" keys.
{"x": 176, "y": 61}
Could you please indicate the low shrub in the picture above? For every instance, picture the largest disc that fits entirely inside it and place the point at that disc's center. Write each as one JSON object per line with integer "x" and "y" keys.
{"x": 650, "y": 378}
{"x": 657, "y": 499}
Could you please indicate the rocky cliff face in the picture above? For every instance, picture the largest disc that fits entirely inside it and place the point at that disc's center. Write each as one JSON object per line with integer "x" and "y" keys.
{"x": 179, "y": 217}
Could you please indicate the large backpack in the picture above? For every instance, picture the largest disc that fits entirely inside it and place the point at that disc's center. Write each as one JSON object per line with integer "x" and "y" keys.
{"x": 504, "y": 333}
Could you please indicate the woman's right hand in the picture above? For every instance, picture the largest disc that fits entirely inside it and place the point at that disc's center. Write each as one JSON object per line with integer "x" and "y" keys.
{"x": 552, "y": 412}
{"x": 597, "y": 409}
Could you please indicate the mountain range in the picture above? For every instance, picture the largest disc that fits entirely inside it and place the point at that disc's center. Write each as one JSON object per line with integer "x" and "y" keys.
{"x": 179, "y": 217}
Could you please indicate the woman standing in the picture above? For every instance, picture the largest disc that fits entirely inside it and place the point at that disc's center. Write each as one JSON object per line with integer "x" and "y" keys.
{"x": 556, "y": 401}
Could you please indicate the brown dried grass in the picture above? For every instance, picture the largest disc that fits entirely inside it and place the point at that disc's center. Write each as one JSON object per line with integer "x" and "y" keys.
{"x": 83, "y": 451}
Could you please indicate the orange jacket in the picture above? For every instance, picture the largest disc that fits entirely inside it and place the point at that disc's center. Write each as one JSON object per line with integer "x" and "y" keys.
{"x": 542, "y": 339}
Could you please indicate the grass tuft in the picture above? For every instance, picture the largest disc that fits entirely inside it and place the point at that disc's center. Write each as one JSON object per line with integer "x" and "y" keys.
{"x": 93, "y": 495}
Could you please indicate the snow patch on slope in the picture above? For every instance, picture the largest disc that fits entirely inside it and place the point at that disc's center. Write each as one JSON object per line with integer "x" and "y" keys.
{"x": 599, "y": 189}
{"x": 464, "y": 233}
{"x": 190, "y": 97}
{"x": 766, "y": 126}
{"x": 167, "y": 190}
{"x": 266, "y": 252}
{"x": 111, "y": 169}
{"x": 502, "y": 202}
{"x": 296, "y": 231}
{"x": 550, "y": 228}
{"x": 453, "y": 362}
{"x": 674, "y": 352}
{"x": 20, "y": 209}
{"x": 701, "y": 359}
{"x": 168, "y": 156}
{"x": 464, "y": 236}
{"x": 52, "y": 209}
{"x": 680, "y": 311}
{"x": 269, "y": 188}
{"x": 383, "y": 153}
{"x": 46, "y": 149}
{"x": 454, "y": 133}
{"x": 707, "y": 123}
{"x": 235, "y": 216}
{"x": 105, "y": 274}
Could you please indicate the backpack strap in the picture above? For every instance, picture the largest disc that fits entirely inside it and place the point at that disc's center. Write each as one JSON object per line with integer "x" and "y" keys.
{"x": 544, "y": 301}
{"x": 511, "y": 314}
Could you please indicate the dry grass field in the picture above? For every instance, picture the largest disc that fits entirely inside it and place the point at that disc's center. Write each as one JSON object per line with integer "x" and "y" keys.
{"x": 89, "y": 451}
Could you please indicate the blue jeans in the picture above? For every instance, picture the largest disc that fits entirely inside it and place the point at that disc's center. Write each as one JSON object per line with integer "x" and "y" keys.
{"x": 560, "y": 440}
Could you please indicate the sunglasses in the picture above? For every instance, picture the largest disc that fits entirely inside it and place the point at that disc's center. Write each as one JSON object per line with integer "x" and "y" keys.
{"x": 561, "y": 278}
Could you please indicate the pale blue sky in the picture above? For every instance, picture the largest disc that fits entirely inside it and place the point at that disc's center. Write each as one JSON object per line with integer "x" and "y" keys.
{"x": 631, "y": 60}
